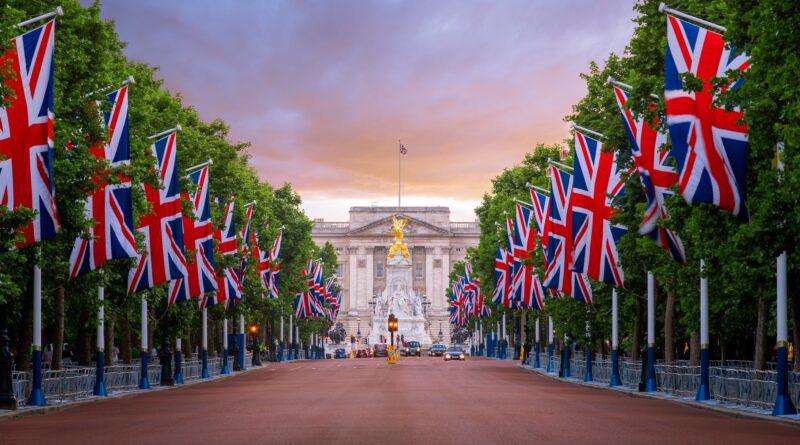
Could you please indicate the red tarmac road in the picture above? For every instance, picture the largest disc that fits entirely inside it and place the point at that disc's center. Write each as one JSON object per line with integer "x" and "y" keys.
{"x": 418, "y": 401}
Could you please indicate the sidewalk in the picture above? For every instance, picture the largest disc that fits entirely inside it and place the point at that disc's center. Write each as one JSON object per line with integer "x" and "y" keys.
{"x": 709, "y": 405}
{"x": 24, "y": 411}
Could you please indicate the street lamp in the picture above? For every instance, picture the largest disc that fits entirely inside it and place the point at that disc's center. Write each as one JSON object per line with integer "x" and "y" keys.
{"x": 441, "y": 335}
{"x": 358, "y": 328}
{"x": 256, "y": 360}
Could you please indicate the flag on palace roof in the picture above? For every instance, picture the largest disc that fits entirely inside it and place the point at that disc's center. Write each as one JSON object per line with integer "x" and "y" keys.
{"x": 709, "y": 143}
{"x": 111, "y": 205}
{"x": 26, "y": 133}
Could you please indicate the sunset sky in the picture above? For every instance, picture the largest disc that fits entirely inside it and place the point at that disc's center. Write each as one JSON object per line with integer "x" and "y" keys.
{"x": 324, "y": 89}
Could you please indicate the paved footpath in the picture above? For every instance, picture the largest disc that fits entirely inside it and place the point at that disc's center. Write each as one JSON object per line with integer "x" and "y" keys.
{"x": 418, "y": 401}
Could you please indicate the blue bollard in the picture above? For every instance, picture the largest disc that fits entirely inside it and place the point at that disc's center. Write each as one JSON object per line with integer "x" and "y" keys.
{"x": 614, "y": 380}
{"x": 204, "y": 373}
{"x": 783, "y": 400}
{"x": 703, "y": 391}
{"x": 536, "y": 363}
{"x": 144, "y": 381}
{"x": 225, "y": 368}
{"x": 587, "y": 377}
{"x": 100, "y": 375}
{"x": 37, "y": 395}
{"x": 650, "y": 384}
{"x": 565, "y": 361}
{"x": 550, "y": 350}
{"x": 178, "y": 368}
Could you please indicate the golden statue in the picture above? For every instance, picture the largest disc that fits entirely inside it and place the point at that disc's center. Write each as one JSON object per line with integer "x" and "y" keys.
{"x": 397, "y": 230}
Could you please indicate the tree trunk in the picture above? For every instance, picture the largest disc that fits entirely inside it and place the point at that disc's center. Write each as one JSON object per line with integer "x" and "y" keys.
{"x": 760, "y": 358}
{"x": 694, "y": 349}
{"x": 669, "y": 329}
{"x": 25, "y": 338}
{"x": 84, "y": 339}
{"x": 186, "y": 348}
{"x": 636, "y": 343}
{"x": 58, "y": 347}
{"x": 125, "y": 340}
{"x": 109, "y": 346}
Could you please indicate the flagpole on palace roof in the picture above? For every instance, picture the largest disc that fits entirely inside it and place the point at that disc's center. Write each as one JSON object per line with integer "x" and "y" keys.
{"x": 400, "y": 144}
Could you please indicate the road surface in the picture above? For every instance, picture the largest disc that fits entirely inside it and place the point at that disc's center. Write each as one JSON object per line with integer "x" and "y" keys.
{"x": 418, "y": 401}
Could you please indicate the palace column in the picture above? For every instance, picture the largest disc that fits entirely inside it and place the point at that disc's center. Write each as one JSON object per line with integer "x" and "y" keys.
{"x": 370, "y": 271}
{"x": 361, "y": 291}
{"x": 429, "y": 289}
{"x": 352, "y": 283}
{"x": 445, "y": 273}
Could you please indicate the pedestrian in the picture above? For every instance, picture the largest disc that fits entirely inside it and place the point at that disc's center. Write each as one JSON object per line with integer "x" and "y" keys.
{"x": 154, "y": 353}
{"x": 47, "y": 357}
{"x": 114, "y": 354}
{"x": 66, "y": 354}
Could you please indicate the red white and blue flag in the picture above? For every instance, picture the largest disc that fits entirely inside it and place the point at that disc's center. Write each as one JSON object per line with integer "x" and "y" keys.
{"x": 245, "y": 235}
{"x": 709, "y": 143}
{"x": 26, "y": 133}
{"x": 163, "y": 259}
{"x": 198, "y": 240}
{"x": 558, "y": 275}
{"x": 527, "y": 289}
{"x": 110, "y": 205}
{"x": 229, "y": 288}
{"x": 303, "y": 306}
{"x": 262, "y": 264}
{"x": 597, "y": 181}
{"x": 275, "y": 265}
{"x": 655, "y": 173}
{"x": 502, "y": 278}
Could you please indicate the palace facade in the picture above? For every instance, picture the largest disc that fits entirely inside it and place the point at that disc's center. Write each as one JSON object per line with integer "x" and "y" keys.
{"x": 362, "y": 246}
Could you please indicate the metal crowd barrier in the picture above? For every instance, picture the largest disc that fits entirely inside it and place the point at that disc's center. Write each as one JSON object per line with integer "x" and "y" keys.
{"x": 736, "y": 382}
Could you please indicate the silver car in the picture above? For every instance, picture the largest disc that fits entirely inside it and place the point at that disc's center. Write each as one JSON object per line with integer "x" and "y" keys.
{"x": 453, "y": 353}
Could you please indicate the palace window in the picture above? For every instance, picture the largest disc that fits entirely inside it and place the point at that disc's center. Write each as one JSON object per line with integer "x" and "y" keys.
{"x": 340, "y": 270}
{"x": 379, "y": 270}
{"x": 419, "y": 272}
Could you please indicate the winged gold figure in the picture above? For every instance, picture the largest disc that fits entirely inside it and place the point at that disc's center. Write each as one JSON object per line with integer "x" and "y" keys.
{"x": 398, "y": 223}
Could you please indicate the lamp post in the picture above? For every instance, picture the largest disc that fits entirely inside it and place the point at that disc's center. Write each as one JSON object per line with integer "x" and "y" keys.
{"x": 392, "y": 327}
{"x": 256, "y": 360}
{"x": 358, "y": 329}
{"x": 441, "y": 335}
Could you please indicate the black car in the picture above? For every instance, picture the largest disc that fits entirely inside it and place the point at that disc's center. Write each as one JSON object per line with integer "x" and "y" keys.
{"x": 437, "y": 350}
{"x": 379, "y": 350}
{"x": 454, "y": 353}
{"x": 413, "y": 348}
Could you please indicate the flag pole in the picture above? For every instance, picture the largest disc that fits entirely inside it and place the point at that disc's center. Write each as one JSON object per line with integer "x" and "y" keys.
{"x": 650, "y": 382}
{"x": 399, "y": 144}
{"x": 783, "y": 400}
{"x": 703, "y": 391}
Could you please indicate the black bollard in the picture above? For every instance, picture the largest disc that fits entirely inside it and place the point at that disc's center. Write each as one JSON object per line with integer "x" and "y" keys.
{"x": 256, "y": 361}
{"x": 165, "y": 357}
{"x": 7, "y": 399}
{"x": 235, "y": 352}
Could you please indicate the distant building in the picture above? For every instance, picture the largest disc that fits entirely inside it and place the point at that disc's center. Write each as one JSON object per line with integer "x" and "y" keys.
{"x": 362, "y": 246}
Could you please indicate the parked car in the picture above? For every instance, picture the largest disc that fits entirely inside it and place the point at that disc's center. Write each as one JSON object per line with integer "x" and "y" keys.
{"x": 454, "y": 353}
{"x": 363, "y": 353}
{"x": 437, "y": 350}
{"x": 379, "y": 350}
{"x": 340, "y": 353}
{"x": 412, "y": 348}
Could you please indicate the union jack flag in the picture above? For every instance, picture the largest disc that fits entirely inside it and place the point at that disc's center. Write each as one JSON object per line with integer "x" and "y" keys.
{"x": 229, "y": 288}
{"x": 26, "y": 133}
{"x": 198, "y": 237}
{"x": 245, "y": 235}
{"x": 541, "y": 208}
{"x": 164, "y": 259}
{"x": 527, "y": 289}
{"x": 263, "y": 264}
{"x": 709, "y": 144}
{"x": 597, "y": 181}
{"x": 328, "y": 290}
{"x": 303, "y": 306}
{"x": 110, "y": 205}
{"x": 558, "y": 275}
{"x": 655, "y": 173}
{"x": 275, "y": 268}
{"x": 502, "y": 277}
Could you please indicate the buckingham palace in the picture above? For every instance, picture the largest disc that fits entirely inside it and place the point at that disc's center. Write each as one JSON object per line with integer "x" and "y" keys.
{"x": 362, "y": 245}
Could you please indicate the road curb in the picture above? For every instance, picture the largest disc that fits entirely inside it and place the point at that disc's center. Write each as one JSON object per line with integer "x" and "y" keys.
{"x": 43, "y": 410}
{"x": 732, "y": 412}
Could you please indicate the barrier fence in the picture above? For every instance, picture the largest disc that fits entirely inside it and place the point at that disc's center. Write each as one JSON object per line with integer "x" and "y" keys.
{"x": 76, "y": 382}
{"x": 734, "y": 381}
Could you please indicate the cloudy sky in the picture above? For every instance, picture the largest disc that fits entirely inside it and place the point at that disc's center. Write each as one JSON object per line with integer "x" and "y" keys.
{"x": 324, "y": 89}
